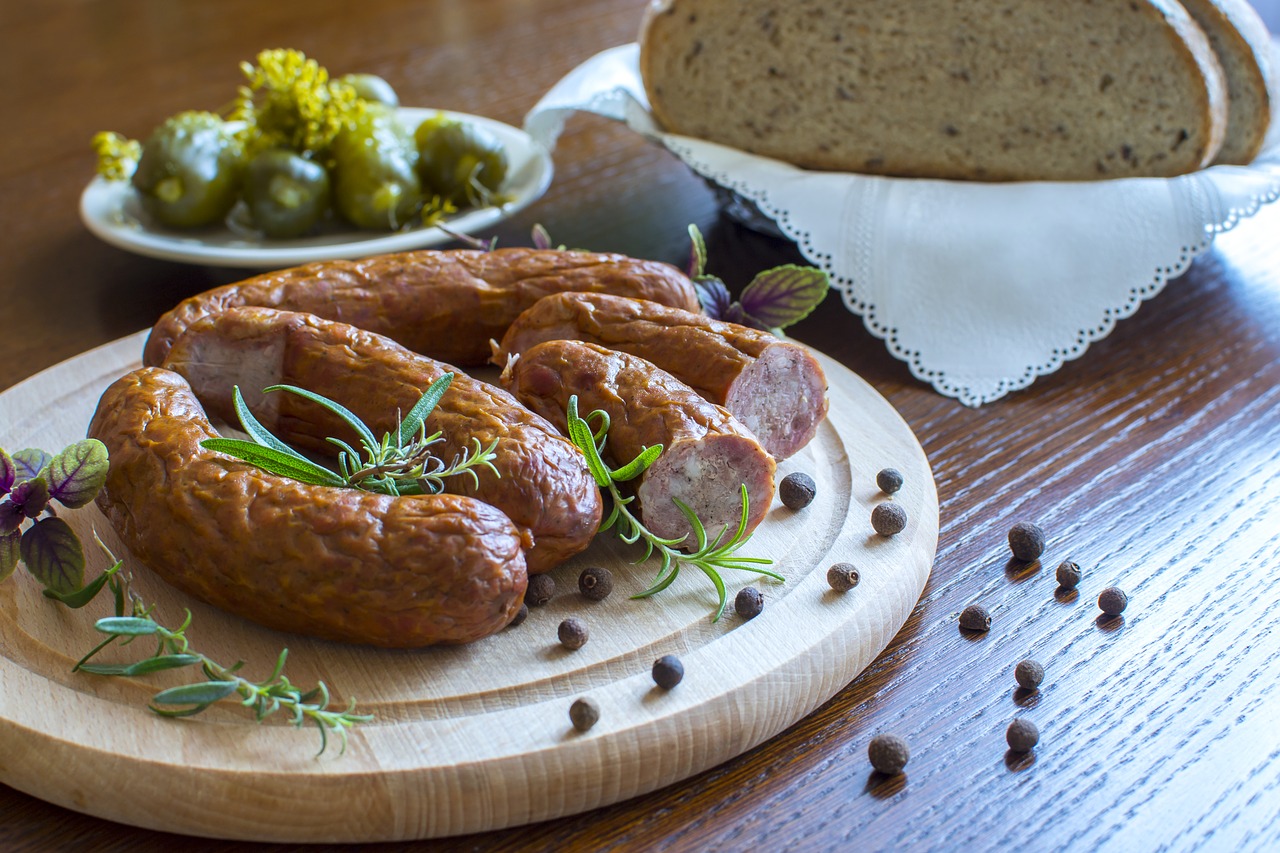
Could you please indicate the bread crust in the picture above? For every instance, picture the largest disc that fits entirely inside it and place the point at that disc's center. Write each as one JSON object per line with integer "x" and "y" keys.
{"x": 939, "y": 89}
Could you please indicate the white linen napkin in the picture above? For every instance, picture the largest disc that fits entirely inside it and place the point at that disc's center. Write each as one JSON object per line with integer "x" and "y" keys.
{"x": 979, "y": 288}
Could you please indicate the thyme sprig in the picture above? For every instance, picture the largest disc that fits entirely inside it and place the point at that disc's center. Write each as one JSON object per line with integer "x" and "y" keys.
{"x": 399, "y": 464}
{"x": 134, "y": 618}
{"x": 711, "y": 556}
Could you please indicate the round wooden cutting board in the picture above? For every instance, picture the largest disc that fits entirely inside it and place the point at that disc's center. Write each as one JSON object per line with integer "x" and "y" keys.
{"x": 464, "y": 738}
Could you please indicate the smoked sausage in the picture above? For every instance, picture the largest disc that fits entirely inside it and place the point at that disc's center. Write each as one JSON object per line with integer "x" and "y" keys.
{"x": 774, "y": 387}
{"x": 341, "y": 564}
{"x": 444, "y": 304}
{"x": 542, "y": 483}
{"x": 707, "y": 455}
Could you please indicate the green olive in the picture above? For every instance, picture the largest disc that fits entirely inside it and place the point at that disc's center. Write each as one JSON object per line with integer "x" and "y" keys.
{"x": 371, "y": 87}
{"x": 375, "y": 184}
{"x": 459, "y": 161}
{"x": 286, "y": 193}
{"x": 190, "y": 171}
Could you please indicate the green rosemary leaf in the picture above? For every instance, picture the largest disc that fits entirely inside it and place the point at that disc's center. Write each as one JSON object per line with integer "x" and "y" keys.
{"x": 127, "y": 626}
{"x": 699, "y": 531}
{"x": 349, "y": 417}
{"x": 279, "y": 668}
{"x": 204, "y": 693}
{"x": 637, "y": 466}
{"x": 256, "y": 430}
{"x": 180, "y": 712}
{"x": 581, "y": 436}
{"x": 720, "y": 590}
{"x": 87, "y": 593}
{"x": 661, "y": 584}
{"x": 142, "y": 667}
{"x": 274, "y": 461}
{"x": 422, "y": 409}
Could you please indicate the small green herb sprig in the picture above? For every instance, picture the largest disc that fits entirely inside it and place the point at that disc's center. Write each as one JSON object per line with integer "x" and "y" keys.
{"x": 31, "y": 482}
{"x": 709, "y": 556}
{"x": 400, "y": 464}
{"x": 134, "y": 618}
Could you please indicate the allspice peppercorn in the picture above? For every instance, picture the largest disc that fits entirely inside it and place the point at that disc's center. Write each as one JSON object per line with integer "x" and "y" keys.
{"x": 1113, "y": 601}
{"x": 797, "y": 490}
{"x": 888, "y": 518}
{"x": 1022, "y": 735}
{"x": 584, "y": 713}
{"x": 573, "y": 633}
{"x": 539, "y": 590}
{"x": 1068, "y": 574}
{"x": 843, "y": 577}
{"x": 889, "y": 480}
{"x": 1028, "y": 674}
{"x": 595, "y": 583}
{"x": 521, "y": 615}
{"x": 888, "y": 754}
{"x": 1026, "y": 540}
{"x": 749, "y": 602}
{"x": 668, "y": 671}
{"x": 975, "y": 618}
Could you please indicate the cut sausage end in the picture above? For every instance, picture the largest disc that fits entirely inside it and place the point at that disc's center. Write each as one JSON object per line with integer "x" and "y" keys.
{"x": 781, "y": 397}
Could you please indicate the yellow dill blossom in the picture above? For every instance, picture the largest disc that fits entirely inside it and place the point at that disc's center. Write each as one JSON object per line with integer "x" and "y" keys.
{"x": 290, "y": 102}
{"x": 117, "y": 155}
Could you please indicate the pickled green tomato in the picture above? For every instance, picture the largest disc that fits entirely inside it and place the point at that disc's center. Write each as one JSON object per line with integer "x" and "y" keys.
{"x": 375, "y": 184}
{"x": 190, "y": 171}
{"x": 371, "y": 87}
{"x": 286, "y": 193}
{"x": 454, "y": 156}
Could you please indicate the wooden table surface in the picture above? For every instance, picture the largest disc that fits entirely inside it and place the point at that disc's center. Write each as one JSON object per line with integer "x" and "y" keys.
{"x": 1153, "y": 461}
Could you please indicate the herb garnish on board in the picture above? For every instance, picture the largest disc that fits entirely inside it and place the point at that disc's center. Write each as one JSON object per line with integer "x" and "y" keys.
{"x": 709, "y": 556}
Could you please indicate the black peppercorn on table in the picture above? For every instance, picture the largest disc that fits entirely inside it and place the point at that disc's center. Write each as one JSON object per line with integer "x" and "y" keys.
{"x": 1150, "y": 462}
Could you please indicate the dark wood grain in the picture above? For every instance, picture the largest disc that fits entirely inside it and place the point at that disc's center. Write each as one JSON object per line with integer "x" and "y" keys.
{"x": 1153, "y": 461}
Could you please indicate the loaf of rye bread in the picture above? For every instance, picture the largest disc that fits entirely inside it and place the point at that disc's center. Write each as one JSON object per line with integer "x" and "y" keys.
{"x": 989, "y": 90}
{"x": 1243, "y": 47}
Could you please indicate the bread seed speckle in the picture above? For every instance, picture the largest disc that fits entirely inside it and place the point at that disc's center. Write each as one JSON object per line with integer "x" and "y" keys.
{"x": 888, "y": 519}
{"x": 888, "y": 754}
{"x": 1028, "y": 674}
{"x": 540, "y": 590}
{"x": 1113, "y": 601}
{"x": 797, "y": 490}
{"x": 749, "y": 602}
{"x": 1022, "y": 735}
{"x": 1026, "y": 540}
{"x": 843, "y": 577}
{"x": 584, "y": 714}
{"x": 595, "y": 583}
{"x": 668, "y": 671}
{"x": 573, "y": 633}
{"x": 889, "y": 480}
{"x": 975, "y": 618}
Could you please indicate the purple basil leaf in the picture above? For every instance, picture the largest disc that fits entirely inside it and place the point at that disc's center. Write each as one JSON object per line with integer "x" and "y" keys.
{"x": 9, "y": 552}
{"x": 52, "y": 553}
{"x": 77, "y": 473}
{"x": 29, "y": 463}
{"x": 785, "y": 295}
{"x": 697, "y": 254}
{"x": 8, "y": 473}
{"x": 541, "y": 237}
{"x": 735, "y": 314}
{"x": 10, "y": 517}
{"x": 32, "y": 495}
{"x": 713, "y": 295}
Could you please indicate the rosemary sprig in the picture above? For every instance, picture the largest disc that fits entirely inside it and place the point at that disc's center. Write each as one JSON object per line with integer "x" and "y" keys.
{"x": 276, "y": 693}
{"x": 709, "y": 556}
{"x": 400, "y": 464}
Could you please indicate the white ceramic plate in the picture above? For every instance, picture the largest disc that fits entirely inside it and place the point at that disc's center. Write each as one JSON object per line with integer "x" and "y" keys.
{"x": 110, "y": 209}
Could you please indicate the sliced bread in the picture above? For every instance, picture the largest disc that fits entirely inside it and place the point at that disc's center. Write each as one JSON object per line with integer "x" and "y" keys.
{"x": 991, "y": 90}
{"x": 1243, "y": 46}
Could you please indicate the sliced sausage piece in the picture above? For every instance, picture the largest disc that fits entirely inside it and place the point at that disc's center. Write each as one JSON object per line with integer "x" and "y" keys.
{"x": 334, "y": 563}
{"x": 445, "y": 304}
{"x": 543, "y": 483}
{"x": 775, "y": 388}
{"x": 707, "y": 455}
